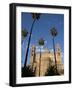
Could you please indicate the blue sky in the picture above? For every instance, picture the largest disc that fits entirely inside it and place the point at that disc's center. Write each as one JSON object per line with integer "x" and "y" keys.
{"x": 41, "y": 29}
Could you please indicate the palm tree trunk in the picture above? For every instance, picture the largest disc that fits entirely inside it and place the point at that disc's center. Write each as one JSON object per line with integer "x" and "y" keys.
{"x": 54, "y": 54}
{"x": 40, "y": 63}
{"x": 28, "y": 44}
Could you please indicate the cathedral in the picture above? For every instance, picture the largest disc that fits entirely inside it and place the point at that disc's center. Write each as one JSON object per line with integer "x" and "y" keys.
{"x": 41, "y": 61}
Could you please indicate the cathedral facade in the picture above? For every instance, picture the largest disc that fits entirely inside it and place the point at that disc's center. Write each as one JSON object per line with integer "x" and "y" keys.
{"x": 41, "y": 61}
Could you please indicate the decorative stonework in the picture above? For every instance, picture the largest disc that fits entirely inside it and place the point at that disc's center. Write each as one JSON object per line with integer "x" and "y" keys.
{"x": 47, "y": 60}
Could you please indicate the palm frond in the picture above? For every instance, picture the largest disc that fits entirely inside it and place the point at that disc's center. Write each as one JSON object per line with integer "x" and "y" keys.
{"x": 36, "y": 16}
{"x": 24, "y": 33}
{"x": 41, "y": 41}
{"x": 54, "y": 32}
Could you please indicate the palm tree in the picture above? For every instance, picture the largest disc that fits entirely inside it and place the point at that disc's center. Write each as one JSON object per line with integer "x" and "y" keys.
{"x": 54, "y": 34}
{"x": 27, "y": 72}
{"x": 35, "y": 16}
{"x": 51, "y": 71}
{"x": 24, "y": 34}
{"x": 41, "y": 43}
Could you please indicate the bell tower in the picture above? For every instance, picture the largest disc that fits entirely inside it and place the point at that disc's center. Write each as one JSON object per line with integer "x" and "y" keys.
{"x": 60, "y": 65}
{"x": 33, "y": 55}
{"x": 58, "y": 54}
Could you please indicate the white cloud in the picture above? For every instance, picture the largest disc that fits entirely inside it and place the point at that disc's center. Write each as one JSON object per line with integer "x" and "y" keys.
{"x": 45, "y": 42}
{"x": 51, "y": 50}
{"x": 38, "y": 49}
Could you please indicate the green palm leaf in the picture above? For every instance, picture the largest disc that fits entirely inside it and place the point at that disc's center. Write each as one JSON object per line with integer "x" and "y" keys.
{"x": 24, "y": 33}
{"x": 36, "y": 16}
{"x": 41, "y": 41}
{"x": 54, "y": 32}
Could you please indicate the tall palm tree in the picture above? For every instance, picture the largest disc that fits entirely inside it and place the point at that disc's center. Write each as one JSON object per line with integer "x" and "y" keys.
{"x": 41, "y": 43}
{"x": 54, "y": 34}
{"x": 35, "y": 16}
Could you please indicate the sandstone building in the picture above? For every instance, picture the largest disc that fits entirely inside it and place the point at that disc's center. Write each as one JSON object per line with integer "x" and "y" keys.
{"x": 47, "y": 60}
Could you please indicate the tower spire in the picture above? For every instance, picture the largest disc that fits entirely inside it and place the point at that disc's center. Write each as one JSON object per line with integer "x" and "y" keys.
{"x": 58, "y": 48}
